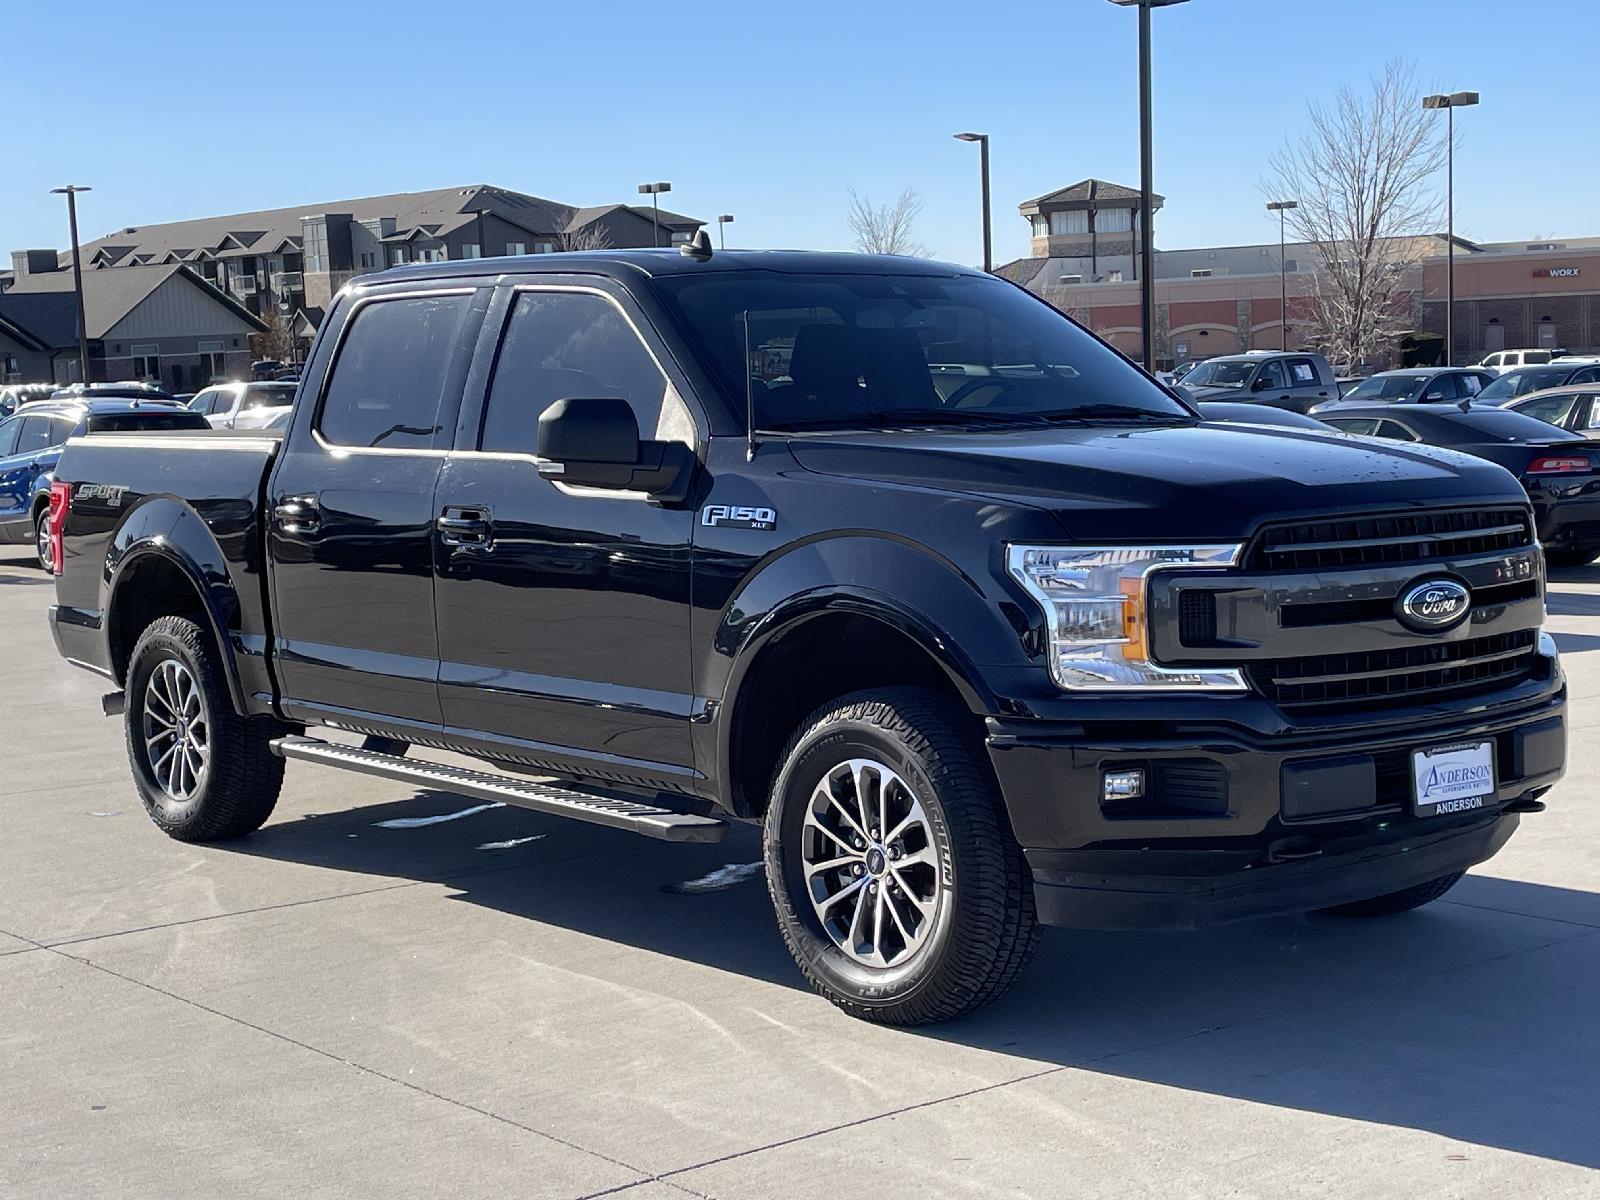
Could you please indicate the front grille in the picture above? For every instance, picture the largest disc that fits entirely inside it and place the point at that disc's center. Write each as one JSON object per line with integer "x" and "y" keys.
{"x": 1424, "y": 537}
{"x": 1410, "y": 672}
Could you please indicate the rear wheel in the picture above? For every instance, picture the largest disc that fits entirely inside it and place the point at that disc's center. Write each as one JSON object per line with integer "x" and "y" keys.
{"x": 203, "y": 771}
{"x": 41, "y": 540}
{"x": 899, "y": 888}
{"x": 1402, "y": 901}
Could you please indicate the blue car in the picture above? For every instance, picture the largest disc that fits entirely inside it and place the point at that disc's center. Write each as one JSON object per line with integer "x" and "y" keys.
{"x": 30, "y": 446}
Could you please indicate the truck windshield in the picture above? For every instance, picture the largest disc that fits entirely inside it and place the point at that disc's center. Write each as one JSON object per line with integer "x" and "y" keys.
{"x": 1220, "y": 373}
{"x": 875, "y": 351}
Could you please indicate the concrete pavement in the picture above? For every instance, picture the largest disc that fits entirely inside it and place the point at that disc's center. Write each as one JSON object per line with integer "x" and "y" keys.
{"x": 505, "y": 1004}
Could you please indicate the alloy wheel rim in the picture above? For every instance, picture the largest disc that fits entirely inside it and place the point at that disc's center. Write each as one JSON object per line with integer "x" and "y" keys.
{"x": 871, "y": 868}
{"x": 42, "y": 537}
{"x": 177, "y": 736}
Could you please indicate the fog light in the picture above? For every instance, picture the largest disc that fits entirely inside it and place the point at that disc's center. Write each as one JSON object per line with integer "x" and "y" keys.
{"x": 1122, "y": 785}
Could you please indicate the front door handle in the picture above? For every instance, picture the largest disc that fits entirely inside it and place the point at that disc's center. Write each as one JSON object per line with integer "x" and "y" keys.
{"x": 466, "y": 527}
{"x": 297, "y": 515}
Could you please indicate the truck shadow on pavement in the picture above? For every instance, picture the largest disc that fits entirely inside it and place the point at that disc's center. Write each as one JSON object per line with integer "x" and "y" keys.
{"x": 1472, "y": 1018}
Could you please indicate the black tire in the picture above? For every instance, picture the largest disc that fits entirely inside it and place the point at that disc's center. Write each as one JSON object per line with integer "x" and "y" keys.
{"x": 1402, "y": 901}
{"x": 984, "y": 928}
{"x": 237, "y": 787}
{"x": 41, "y": 540}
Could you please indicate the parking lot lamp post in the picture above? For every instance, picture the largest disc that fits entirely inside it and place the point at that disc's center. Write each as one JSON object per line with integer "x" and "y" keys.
{"x": 1147, "y": 277}
{"x": 983, "y": 169}
{"x": 1280, "y": 207}
{"x": 71, "y": 193}
{"x": 1450, "y": 103}
{"x": 723, "y": 221}
{"x": 653, "y": 190}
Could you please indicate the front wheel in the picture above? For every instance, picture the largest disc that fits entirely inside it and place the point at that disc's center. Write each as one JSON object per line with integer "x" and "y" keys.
{"x": 899, "y": 887}
{"x": 1402, "y": 901}
{"x": 203, "y": 771}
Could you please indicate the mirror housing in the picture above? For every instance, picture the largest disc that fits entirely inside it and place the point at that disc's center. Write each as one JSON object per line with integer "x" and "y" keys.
{"x": 1260, "y": 384}
{"x": 593, "y": 441}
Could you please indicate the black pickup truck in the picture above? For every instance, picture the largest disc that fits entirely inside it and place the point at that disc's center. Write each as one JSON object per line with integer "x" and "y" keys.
{"x": 985, "y": 626}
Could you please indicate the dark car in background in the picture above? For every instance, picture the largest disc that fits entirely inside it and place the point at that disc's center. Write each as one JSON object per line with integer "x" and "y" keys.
{"x": 1412, "y": 385}
{"x": 1257, "y": 414}
{"x": 1560, "y": 472}
{"x": 14, "y": 396}
{"x": 30, "y": 446}
{"x": 1293, "y": 380}
{"x": 1575, "y": 407}
{"x": 1525, "y": 380}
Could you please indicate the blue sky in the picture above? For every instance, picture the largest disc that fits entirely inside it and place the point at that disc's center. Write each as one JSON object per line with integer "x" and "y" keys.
{"x": 766, "y": 111}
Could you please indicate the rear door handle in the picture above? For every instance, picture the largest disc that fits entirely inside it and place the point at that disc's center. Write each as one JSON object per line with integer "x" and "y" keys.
{"x": 466, "y": 527}
{"x": 297, "y": 514}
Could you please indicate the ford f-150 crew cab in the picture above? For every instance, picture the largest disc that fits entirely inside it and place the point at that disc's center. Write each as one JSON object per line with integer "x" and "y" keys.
{"x": 986, "y": 627}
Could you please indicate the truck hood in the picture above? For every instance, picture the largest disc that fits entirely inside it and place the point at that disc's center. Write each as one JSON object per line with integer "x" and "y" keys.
{"x": 1203, "y": 481}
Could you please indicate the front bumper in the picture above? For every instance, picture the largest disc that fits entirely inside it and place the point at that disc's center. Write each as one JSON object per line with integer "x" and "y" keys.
{"x": 1250, "y": 816}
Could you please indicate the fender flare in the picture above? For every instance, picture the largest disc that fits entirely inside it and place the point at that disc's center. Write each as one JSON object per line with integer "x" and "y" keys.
{"x": 165, "y": 528}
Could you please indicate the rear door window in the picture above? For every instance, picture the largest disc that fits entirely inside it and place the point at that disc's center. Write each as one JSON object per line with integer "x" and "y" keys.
{"x": 1555, "y": 409}
{"x": 35, "y": 435}
{"x": 1366, "y": 426}
{"x": 1396, "y": 432}
{"x": 388, "y": 380}
{"x": 1303, "y": 373}
{"x": 1587, "y": 375}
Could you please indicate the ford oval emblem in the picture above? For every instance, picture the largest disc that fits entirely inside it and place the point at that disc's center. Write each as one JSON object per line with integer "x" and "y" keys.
{"x": 1434, "y": 604}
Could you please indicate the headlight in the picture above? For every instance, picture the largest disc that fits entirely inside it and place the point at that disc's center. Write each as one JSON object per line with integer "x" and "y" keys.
{"x": 1095, "y": 603}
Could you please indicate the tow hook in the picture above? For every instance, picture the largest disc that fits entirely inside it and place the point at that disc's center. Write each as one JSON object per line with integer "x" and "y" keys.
{"x": 1527, "y": 804}
{"x": 1292, "y": 850}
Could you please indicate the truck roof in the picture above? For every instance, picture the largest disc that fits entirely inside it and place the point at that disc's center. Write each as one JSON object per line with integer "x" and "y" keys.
{"x": 670, "y": 261}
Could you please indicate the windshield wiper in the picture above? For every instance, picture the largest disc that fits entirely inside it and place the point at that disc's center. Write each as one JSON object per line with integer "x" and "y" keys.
{"x": 912, "y": 417}
{"x": 1115, "y": 412}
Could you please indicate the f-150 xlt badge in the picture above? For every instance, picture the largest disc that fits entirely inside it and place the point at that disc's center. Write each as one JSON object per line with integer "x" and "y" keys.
{"x": 739, "y": 516}
{"x": 111, "y": 493}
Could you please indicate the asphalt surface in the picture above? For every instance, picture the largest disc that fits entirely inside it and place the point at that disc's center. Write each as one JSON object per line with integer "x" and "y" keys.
{"x": 508, "y": 1005}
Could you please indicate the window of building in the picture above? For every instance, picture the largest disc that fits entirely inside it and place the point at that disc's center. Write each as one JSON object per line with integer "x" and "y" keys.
{"x": 1041, "y": 225}
{"x": 211, "y": 361}
{"x": 1113, "y": 220}
{"x": 8, "y": 366}
{"x": 388, "y": 381}
{"x": 146, "y": 361}
{"x": 1068, "y": 280}
{"x": 562, "y": 344}
{"x": 516, "y": 247}
{"x": 544, "y": 248}
{"x": 472, "y": 250}
{"x": 1113, "y": 276}
{"x": 428, "y": 254}
{"x": 315, "y": 237}
{"x": 397, "y": 255}
{"x": 369, "y": 260}
{"x": 1069, "y": 222}
{"x": 1200, "y": 273}
{"x": 1547, "y": 335}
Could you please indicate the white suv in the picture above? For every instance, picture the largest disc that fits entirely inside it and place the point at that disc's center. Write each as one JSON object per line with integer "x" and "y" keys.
{"x": 1502, "y": 361}
{"x": 223, "y": 404}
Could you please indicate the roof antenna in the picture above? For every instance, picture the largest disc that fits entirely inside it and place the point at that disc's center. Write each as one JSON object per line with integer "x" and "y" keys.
{"x": 698, "y": 247}
{"x": 749, "y": 391}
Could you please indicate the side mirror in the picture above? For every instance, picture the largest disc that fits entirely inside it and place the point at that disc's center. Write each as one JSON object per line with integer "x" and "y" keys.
{"x": 1431, "y": 397}
{"x": 1260, "y": 385}
{"x": 594, "y": 442}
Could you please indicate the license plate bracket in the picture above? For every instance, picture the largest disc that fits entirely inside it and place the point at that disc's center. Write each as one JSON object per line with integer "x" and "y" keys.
{"x": 1452, "y": 779}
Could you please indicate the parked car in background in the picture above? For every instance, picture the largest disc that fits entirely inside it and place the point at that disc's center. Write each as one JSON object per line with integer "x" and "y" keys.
{"x": 14, "y": 396}
{"x": 224, "y": 403}
{"x": 1576, "y": 407}
{"x": 1292, "y": 380}
{"x": 1560, "y": 472}
{"x": 1183, "y": 368}
{"x": 1347, "y": 384}
{"x": 1258, "y": 414}
{"x": 1412, "y": 385}
{"x": 1524, "y": 380}
{"x": 1502, "y": 361}
{"x": 128, "y": 389}
{"x": 31, "y": 441}
{"x": 262, "y": 417}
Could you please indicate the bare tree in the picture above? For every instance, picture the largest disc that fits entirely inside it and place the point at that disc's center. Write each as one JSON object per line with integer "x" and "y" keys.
{"x": 277, "y": 342}
{"x": 1363, "y": 175}
{"x": 585, "y": 237}
{"x": 887, "y": 229}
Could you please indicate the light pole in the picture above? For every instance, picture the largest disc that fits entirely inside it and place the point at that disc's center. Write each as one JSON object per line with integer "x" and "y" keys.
{"x": 723, "y": 222}
{"x": 1450, "y": 103}
{"x": 1280, "y": 207}
{"x": 1147, "y": 277}
{"x": 983, "y": 167}
{"x": 653, "y": 190}
{"x": 71, "y": 193}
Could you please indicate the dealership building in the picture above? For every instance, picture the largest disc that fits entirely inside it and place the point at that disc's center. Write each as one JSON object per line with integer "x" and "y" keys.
{"x": 1215, "y": 300}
